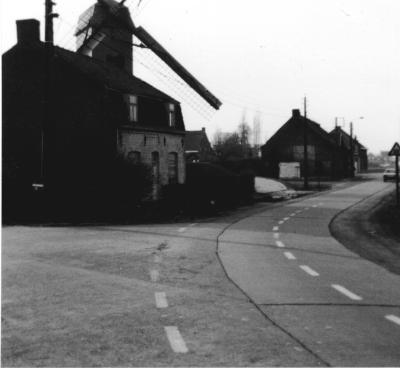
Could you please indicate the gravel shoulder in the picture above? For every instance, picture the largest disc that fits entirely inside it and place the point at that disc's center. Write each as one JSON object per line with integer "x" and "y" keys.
{"x": 371, "y": 229}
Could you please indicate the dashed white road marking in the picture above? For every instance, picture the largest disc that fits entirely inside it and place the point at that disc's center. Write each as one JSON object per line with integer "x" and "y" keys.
{"x": 276, "y": 235}
{"x": 194, "y": 224}
{"x": 290, "y": 256}
{"x": 175, "y": 339}
{"x": 275, "y": 228}
{"x": 309, "y": 270}
{"x": 286, "y": 218}
{"x": 279, "y": 244}
{"x": 154, "y": 275}
{"x": 299, "y": 211}
{"x": 182, "y": 229}
{"x": 307, "y": 208}
{"x": 393, "y": 318}
{"x": 281, "y": 222}
{"x": 315, "y": 205}
{"x": 161, "y": 300}
{"x": 292, "y": 214}
{"x": 346, "y": 292}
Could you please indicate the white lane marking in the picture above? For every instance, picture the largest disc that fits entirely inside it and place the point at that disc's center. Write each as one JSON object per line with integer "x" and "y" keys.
{"x": 309, "y": 270}
{"x": 175, "y": 339}
{"x": 393, "y": 319}
{"x": 299, "y": 211}
{"x": 280, "y": 244}
{"x": 292, "y": 214}
{"x": 275, "y": 228}
{"x": 161, "y": 300}
{"x": 281, "y": 222}
{"x": 320, "y": 204}
{"x": 289, "y": 255}
{"x": 315, "y": 205}
{"x": 276, "y": 235}
{"x": 287, "y": 218}
{"x": 182, "y": 229}
{"x": 346, "y": 292}
{"x": 307, "y": 208}
{"x": 154, "y": 275}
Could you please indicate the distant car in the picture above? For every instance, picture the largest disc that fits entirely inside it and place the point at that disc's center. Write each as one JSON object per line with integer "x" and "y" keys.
{"x": 389, "y": 174}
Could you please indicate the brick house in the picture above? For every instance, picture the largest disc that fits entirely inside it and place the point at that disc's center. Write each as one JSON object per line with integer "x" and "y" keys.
{"x": 96, "y": 111}
{"x": 325, "y": 157}
{"x": 360, "y": 153}
{"x": 198, "y": 147}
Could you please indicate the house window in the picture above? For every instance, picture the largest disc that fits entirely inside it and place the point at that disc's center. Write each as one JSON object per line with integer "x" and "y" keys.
{"x": 133, "y": 109}
{"x": 134, "y": 157}
{"x": 173, "y": 168}
{"x": 171, "y": 115}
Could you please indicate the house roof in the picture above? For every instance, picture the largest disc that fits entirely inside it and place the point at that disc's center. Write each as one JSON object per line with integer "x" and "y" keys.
{"x": 343, "y": 138}
{"x": 311, "y": 126}
{"x": 113, "y": 77}
{"x": 193, "y": 140}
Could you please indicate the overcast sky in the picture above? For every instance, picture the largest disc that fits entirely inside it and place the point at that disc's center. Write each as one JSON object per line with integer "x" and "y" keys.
{"x": 264, "y": 55}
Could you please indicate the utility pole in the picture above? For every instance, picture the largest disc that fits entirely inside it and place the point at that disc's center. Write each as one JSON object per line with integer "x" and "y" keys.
{"x": 351, "y": 151}
{"x": 49, "y": 43}
{"x": 305, "y": 168}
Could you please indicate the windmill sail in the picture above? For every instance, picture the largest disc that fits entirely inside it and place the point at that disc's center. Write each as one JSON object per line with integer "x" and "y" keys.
{"x": 107, "y": 13}
{"x": 164, "y": 55}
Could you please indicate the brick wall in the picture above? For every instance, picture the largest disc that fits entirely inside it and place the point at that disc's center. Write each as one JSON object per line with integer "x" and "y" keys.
{"x": 148, "y": 142}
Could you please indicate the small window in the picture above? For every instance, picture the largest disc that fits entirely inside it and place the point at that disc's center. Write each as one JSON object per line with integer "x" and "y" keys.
{"x": 134, "y": 157}
{"x": 133, "y": 109}
{"x": 173, "y": 168}
{"x": 171, "y": 115}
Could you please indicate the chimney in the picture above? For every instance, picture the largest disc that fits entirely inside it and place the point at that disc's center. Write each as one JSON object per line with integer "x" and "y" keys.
{"x": 296, "y": 113}
{"x": 28, "y": 31}
{"x": 203, "y": 130}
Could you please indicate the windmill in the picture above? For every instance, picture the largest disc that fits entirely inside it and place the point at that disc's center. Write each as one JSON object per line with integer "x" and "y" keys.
{"x": 111, "y": 20}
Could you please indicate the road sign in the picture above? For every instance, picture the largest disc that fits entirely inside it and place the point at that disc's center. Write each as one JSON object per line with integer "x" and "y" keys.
{"x": 395, "y": 151}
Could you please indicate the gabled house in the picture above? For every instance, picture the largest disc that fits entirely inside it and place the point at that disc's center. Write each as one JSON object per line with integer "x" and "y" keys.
{"x": 360, "y": 153}
{"x": 325, "y": 157}
{"x": 68, "y": 115}
{"x": 198, "y": 147}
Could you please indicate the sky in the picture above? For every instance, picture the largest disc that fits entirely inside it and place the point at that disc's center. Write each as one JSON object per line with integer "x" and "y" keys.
{"x": 262, "y": 57}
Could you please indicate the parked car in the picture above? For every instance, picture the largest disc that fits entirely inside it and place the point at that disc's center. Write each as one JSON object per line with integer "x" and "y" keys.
{"x": 389, "y": 174}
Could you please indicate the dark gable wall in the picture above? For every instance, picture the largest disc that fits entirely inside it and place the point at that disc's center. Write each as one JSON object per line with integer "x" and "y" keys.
{"x": 80, "y": 136}
{"x": 329, "y": 160}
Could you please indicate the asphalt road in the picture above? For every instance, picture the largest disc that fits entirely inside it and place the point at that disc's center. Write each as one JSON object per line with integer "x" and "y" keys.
{"x": 159, "y": 295}
{"x": 343, "y": 309}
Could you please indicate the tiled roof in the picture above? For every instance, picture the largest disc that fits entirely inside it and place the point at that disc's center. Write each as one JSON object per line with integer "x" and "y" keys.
{"x": 193, "y": 140}
{"x": 109, "y": 75}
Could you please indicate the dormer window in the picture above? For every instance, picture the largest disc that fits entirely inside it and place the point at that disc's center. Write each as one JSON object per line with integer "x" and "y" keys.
{"x": 171, "y": 115}
{"x": 133, "y": 109}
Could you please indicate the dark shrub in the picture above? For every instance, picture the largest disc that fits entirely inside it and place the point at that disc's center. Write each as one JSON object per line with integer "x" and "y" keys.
{"x": 210, "y": 185}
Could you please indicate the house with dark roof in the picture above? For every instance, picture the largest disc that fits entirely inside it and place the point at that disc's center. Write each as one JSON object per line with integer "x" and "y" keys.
{"x": 325, "y": 157}
{"x": 68, "y": 115}
{"x": 360, "y": 152}
{"x": 198, "y": 147}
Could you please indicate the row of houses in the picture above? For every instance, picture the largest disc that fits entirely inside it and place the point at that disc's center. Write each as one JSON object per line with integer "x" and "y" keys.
{"x": 331, "y": 155}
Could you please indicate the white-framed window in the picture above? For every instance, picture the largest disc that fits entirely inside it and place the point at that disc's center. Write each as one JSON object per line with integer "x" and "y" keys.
{"x": 133, "y": 108}
{"x": 171, "y": 115}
